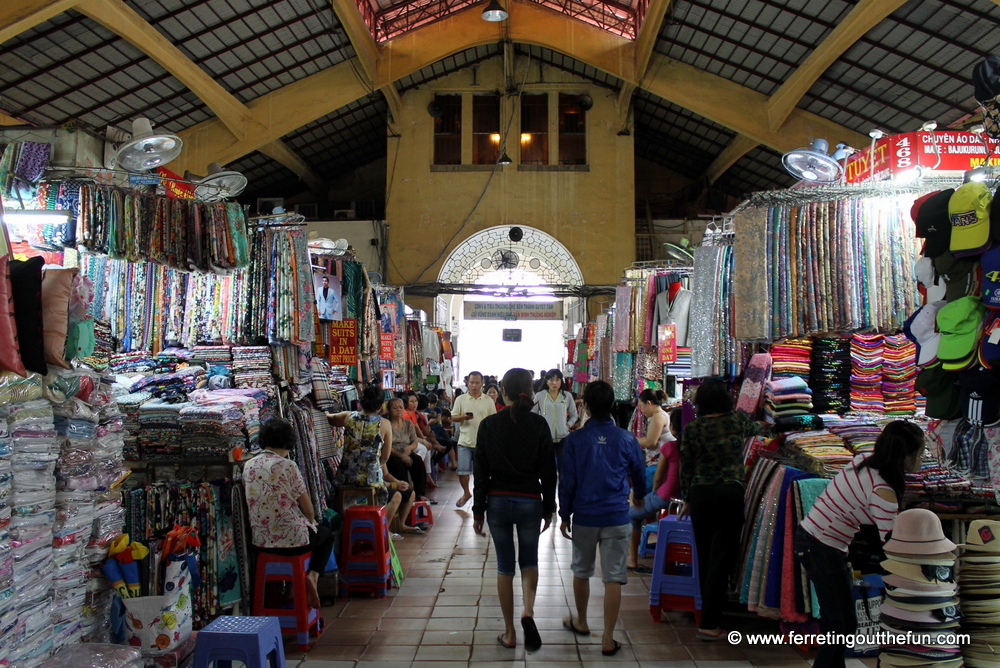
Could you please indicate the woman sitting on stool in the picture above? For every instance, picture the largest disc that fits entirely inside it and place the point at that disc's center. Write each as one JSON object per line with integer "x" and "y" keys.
{"x": 281, "y": 513}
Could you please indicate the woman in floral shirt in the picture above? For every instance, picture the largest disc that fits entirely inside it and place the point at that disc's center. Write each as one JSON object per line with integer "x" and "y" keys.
{"x": 282, "y": 517}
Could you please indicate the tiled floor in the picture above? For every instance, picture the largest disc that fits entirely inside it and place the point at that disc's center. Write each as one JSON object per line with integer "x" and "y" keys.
{"x": 447, "y": 614}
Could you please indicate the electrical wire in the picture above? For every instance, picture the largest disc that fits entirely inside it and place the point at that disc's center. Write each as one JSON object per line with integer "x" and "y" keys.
{"x": 503, "y": 143}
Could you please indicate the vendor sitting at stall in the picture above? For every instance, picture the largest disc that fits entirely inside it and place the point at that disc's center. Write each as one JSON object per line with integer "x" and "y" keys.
{"x": 281, "y": 514}
{"x": 868, "y": 491}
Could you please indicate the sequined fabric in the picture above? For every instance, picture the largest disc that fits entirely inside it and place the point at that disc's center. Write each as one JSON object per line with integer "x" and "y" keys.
{"x": 704, "y": 311}
{"x": 622, "y": 376}
{"x": 622, "y": 318}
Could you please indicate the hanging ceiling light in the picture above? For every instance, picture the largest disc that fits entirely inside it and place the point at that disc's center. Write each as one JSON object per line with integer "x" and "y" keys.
{"x": 505, "y": 159}
{"x": 494, "y": 12}
{"x": 813, "y": 163}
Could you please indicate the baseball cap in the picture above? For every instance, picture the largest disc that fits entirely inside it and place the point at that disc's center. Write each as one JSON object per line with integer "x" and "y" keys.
{"x": 991, "y": 278}
{"x": 923, "y": 332}
{"x": 969, "y": 212}
{"x": 941, "y": 390}
{"x": 989, "y": 347}
{"x": 934, "y": 286}
{"x": 980, "y": 397}
{"x": 915, "y": 209}
{"x": 960, "y": 323}
{"x": 933, "y": 223}
{"x": 986, "y": 78}
{"x": 961, "y": 275}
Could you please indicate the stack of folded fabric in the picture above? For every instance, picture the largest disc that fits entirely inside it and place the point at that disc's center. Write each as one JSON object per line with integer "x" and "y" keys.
{"x": 213, "y": 355}
{"x": 171, "y": 386}
{"x": 129, "y": 404}
{"x": 252, "y": 402}
{"x": 160, "y": 429}
{"x": 859, "y": 436}
{"x": 140, "y": 361}
{"x": 979, "y": 590}
{"x": 866, "y": 373}
{"x": 831, "y": 375}
{"x": 791, "y": 358}
{"x": 899, "y": 374}
{"x": 787, "y": 397}
{"x": 211, "y": 428}
{"x": 920, "y": 593}
{"x": 252, "y": 368}
{"x": 826, "y": 449}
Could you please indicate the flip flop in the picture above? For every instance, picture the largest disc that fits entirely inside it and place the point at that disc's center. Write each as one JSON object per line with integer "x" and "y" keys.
{"x": 641, "y": 570}
{"x": 395, "y": 536}
{"x": 708, "y": 637}
{"x": 569, "y": 626}
{"x": 432, "y": 502}
{"x": 503, "y": 644}
{"x": 612, "y": 652}
{"x": 532, "y": 639}
{"x": 460, "y": 503}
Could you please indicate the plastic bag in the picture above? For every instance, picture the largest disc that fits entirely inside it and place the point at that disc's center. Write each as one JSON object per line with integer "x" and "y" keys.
{"x": 98, "y": 656}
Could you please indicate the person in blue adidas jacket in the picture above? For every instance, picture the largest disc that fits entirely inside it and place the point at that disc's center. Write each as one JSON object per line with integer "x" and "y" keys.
{"x": 597, "y": 463}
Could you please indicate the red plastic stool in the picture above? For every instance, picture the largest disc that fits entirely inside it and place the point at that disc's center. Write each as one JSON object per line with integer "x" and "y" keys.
{"x": 301, "y": 619}
{"x": 421, "y": 515}
{"x": 365, "y": 561}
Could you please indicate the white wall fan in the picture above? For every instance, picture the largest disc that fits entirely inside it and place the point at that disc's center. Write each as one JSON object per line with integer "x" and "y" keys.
{"x": 220, "y": 183}
{"x": 143, "y": 150}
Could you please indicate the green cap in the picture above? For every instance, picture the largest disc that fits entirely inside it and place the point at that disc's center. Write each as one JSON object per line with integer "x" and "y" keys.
{"x": 960, "y": 323}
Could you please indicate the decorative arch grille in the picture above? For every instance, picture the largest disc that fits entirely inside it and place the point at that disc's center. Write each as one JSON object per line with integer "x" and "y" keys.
{"x": 490, "y": 250}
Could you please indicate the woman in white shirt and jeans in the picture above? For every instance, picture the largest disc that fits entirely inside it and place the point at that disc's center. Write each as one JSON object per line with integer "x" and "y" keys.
{"x": 558, "y": 407}
{"x": 866, "y": 492}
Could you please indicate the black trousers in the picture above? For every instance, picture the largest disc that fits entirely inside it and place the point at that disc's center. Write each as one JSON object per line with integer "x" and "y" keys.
{"x": 448, "y": 447}
{"x": 833, "y": 578}
{"x": 320, "y": 544}
{"x": 717, "y": 518}
{"x": 415, "y": 470}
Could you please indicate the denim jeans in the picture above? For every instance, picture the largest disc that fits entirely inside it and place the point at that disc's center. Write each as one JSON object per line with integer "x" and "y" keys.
{"x": 833, "y": 578}
{"x": 503, "y": 515}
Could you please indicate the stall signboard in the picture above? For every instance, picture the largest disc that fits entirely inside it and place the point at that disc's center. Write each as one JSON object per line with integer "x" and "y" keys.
{"x": 666, "y": 341}
{"x": 513, "y": 310}
{"x": 896, "y": 154}
{"x": 344, "y": 342}
{"x": 388, "y": 348}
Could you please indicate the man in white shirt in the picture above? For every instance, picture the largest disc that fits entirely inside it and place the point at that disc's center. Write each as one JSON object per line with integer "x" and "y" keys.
{"x": 469, "y": 410}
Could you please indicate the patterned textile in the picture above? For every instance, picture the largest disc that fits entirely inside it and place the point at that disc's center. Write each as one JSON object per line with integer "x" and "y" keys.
{"x": 702, "y": 330}
{"x": 622, "y": 377}
{"x": 273, "y": 486}
{"x": 360, "y": 465}
{"x": 622, "y": 319}
{"x": 712, "y": 450}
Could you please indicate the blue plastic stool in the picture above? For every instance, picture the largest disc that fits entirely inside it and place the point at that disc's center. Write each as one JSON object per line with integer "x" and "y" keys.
{"x": 256, "y": 641}
{"x": 645, "y": 549}
{"x": 681, "y": 588}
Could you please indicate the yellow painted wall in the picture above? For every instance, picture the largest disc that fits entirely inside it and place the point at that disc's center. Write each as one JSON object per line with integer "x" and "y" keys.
{"x": 592, "y": 213}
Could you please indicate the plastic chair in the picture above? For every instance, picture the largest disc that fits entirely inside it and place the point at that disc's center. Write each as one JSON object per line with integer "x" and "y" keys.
{"x": 421, "y": 515}
{"x": 675, "y": 584}
{"x": 354, "y": 496}
{"x": 255, "y": 641}
{"x": 300, "y": 619}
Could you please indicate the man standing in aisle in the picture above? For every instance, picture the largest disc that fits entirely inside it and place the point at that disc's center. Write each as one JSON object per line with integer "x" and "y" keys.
{"x": 468, "y": 411}
{"x": 597, "y": 463}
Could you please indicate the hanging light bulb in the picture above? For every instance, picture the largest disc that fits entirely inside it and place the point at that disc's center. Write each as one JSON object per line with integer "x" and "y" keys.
{"x": 505, "y": 159}
{"x": 494, "y": 12}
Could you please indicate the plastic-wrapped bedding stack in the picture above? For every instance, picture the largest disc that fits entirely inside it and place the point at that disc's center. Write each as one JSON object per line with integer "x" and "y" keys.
{"x": 160, "y": 428}
{"x": 831, "y": 375}
{"x": 34, "y": 450}
{"x": 866, "y": 373}
{"x": 101, "y": 522}
{"x": 8, "y": 611}
{"x": 899, "y": 375}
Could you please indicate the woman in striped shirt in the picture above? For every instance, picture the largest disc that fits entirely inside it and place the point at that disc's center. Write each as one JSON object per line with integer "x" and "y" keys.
{"x": 868, "y": 491}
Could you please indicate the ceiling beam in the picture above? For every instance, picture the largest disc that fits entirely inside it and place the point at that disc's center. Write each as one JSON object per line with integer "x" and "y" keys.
{"x": 122, "y": 20}
{"x": 280, "y": 151}
{"x": 234, "y": 116}
{"x": 739, "y": 146}
{"x": 17, "y": 16}
{"x": 863, "y": 17}
{"x": 361, "y": 39}
{"x": 730, "y": 104}
{"x": 623, "y": 105}
{"x": 649, "y": 33}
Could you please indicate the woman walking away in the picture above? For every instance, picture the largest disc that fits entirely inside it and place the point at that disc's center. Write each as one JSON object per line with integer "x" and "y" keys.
{"x": 558, "y": 407}
{"x": 515, "y": 487}
{"x": 666, "y": 484}
{"x": 868, "y": 491}
{"x": 713, "y": 483}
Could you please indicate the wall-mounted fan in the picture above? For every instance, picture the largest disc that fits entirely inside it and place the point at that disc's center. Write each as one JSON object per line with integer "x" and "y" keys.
{"x": 144, "y": 150}
{"x": 220, "y": 184}
{"x": 813, "y": 163}
{"x": 679, "y": 252}
{"x": 505, "y": 259}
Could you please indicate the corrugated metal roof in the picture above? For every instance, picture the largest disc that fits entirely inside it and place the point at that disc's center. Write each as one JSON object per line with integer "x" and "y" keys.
{"x": 352, "y": 136}
{"x": 759, "y": 169}
{"x": 266, "y": 177}
{"x": 446, "y": 66}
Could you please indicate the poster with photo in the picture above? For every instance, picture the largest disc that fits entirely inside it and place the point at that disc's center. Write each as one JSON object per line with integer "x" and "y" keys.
{"x": 328, "y": 301}
{"x": 388, "y": 318}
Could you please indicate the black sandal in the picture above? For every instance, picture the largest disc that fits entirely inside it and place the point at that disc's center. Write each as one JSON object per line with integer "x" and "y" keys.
{"x": 570, "y": 626}
{"x": 612, "y": 652}
{"x": 532, "y": 639}
{"x": 640, "y": 569}
{"x": 503, "y": 644}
